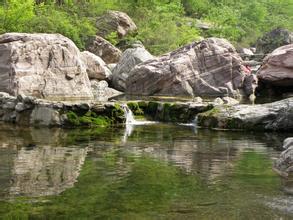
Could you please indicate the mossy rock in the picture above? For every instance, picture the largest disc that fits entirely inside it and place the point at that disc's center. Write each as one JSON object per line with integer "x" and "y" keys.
{"x": 142, "y": 105}
{"x": 209, "y": 118}
{"x": 90, "y": 119}
{"x": 152, "y": 108}
{"x": 134, "y": 107}
{"x": 72, "y": 118}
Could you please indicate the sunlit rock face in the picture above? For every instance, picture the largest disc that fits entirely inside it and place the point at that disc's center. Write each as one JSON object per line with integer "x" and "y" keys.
{"x": 130, "y": 58}
{"x": 45, "y": 170}
{"x": 42, "y": 65}
{"x": 277, "y": 68}
{"x": 211, "y": 67}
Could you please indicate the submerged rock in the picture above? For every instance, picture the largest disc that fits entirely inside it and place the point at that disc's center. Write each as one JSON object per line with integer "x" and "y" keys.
{"x": 284, "y": 165}
{"x": 104, "y": 49}
{"x": 42, "y": 65}
{"x": 130, "y": 58}
{"x": 273, "y": 116}
{"x": 115, "y": 21}
{"x": 211, "y": 67}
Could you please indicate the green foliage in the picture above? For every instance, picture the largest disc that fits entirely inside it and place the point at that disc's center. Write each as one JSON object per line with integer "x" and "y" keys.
{"x": 242, "y": 21}
{"x": 163, "y": 25}
{"x": 112, "y": 38}
{"x": 14, "y": 15}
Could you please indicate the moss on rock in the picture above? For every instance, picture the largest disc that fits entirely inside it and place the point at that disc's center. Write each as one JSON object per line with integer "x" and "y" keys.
{"x": 90, "y": 119}
{"x": 134, "y": 107}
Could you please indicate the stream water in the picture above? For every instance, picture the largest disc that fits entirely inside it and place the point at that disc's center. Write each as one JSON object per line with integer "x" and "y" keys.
{"x": 153, "y": 171}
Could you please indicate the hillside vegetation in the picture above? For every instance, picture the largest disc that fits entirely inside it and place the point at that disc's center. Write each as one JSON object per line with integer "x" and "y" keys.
{"x": 163, "y": 24}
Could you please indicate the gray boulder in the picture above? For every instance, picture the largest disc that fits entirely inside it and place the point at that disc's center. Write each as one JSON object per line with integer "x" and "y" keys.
{"x": 274, "y": 39}
{"x": 104, "y": 49}
{"x": 130, "y": 58}
{"x": 211, "y": 67}
{"x": 245, "y": 53}
{"x": 115, "y": 21}
{"x": 276, "y": 116}
{"x": 42, "y": 65}
{"x": 96, "y": 68}
{"x": 284, "y": 164}
{"x": 102, "y": 92}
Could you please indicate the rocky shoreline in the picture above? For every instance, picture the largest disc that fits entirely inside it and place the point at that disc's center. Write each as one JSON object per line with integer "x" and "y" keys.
{"x": 29, "y": 111}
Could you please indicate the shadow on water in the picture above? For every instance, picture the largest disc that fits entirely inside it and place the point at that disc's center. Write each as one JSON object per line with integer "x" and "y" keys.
{"x": 154, "y": 171}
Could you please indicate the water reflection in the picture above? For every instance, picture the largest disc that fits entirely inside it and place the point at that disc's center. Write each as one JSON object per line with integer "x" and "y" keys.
{"x": 34, "y": 163}
{"x": 142, "y": 171}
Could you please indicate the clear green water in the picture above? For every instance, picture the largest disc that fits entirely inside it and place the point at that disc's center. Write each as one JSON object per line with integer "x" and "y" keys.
{"x": 149, "y": 172}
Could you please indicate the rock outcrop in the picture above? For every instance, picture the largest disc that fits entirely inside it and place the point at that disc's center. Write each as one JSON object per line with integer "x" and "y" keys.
{"x": 96, "y": 68}
{"x": 130, "y": 58}
{"x": 42, "y": 65}
{"x": 276, "y": 116}
{"x": 104, "y": 49}
{"x": 115, "y": 21}
{"x": 211, "y": 67}
{"x": 277, "y": 68}
{"x": 274, "y": 39}
{"x": 284, "y": 165}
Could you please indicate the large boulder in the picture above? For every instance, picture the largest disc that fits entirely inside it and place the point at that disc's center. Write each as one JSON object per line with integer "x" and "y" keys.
{"x": 272, "y": 116}
{"x": 284, "y": 165}
{"x": 96, "y": 68}
{"x": 272, "y": 40}
{"x": 42, "y": 65}
{"x": 115, "y": 21}
{"x": 277, "y": 68}
{"x": 104, "y": 49}
{"x": 211, "y": 67}
{"x": 130, "y": 58}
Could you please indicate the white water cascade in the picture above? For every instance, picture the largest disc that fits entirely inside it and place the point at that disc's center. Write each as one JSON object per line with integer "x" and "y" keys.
{"x": 128, "y": 115}
{"x": 131, "y": 122}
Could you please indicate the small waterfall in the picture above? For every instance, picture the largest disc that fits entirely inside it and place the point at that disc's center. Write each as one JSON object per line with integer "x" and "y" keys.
{"x": 128, "y": 115}
{"x": 131, "y": 122}
{"x": 252, "y": 97}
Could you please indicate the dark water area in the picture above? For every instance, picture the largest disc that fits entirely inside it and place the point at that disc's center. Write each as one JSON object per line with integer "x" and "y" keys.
{"x": 156, "y": 171}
